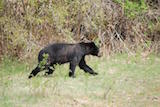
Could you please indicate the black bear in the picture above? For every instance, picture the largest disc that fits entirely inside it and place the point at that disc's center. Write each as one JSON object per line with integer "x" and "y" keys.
{"x": 60, "y": 53}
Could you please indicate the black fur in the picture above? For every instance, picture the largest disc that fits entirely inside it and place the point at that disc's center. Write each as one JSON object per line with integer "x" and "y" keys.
{"x": 61, "y": 53}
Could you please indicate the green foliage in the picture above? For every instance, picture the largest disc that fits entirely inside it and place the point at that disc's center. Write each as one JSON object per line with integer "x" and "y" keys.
{"x": 1, "y": 5}
{"x": 151, "y": 26}
{"x": 132, "y": 8}
{"x": 44, "y": 61}
{"x": 14, "y": 36}
{"x": 46, "y": 21}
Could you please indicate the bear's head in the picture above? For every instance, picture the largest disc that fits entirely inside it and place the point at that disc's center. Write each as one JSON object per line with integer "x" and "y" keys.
{"x": 91, "y": 48}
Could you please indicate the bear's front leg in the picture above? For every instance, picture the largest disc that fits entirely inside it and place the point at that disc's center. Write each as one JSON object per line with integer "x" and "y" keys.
{"x": 72, "y": 70}
{"x": 86, "y": 68}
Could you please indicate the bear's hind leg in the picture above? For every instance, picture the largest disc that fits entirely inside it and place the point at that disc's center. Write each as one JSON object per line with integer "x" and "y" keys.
{"x": 50, "y": 70}
{"x": 72, "y": 70}
{"x": 34, "y": 72}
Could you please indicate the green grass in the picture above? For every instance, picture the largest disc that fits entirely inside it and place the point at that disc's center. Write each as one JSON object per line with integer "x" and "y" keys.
{"x": 123, "y": 81}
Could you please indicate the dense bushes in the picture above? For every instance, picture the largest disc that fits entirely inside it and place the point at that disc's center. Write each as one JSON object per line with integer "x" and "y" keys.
{"x": 115, "y": 25}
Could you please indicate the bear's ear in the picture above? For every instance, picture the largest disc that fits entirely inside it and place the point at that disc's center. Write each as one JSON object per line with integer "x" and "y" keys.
{"x": 92, "y": 43}
{"x": 82, "y": 43}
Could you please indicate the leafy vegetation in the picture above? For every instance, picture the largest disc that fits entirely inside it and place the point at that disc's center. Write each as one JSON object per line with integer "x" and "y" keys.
{"x": 44, "y": 61}
{"x": 133, "y": 8}
{"x": 116, "y": 25}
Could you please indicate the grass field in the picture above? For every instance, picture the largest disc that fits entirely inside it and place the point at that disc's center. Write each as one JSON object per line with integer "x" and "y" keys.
{"x": 123, "y": 81}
